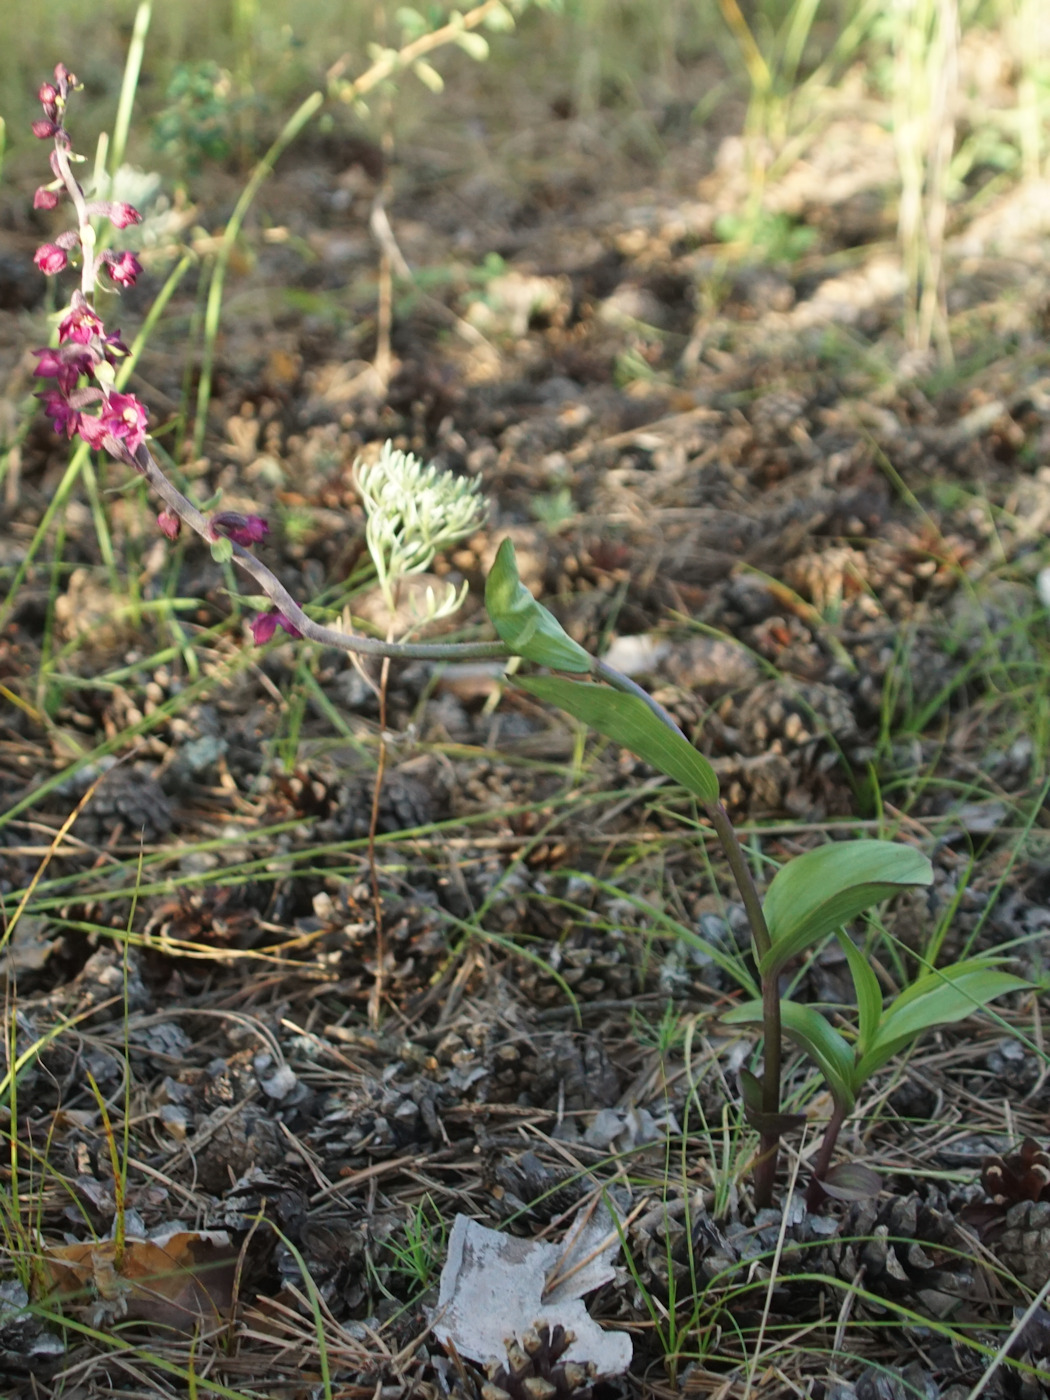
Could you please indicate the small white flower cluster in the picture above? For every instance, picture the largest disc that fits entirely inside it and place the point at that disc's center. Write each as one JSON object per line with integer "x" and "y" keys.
{"x": 414, "y": 511}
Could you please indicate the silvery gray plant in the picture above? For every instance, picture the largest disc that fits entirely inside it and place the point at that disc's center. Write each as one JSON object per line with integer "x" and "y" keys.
{"x": 415, "y": 511}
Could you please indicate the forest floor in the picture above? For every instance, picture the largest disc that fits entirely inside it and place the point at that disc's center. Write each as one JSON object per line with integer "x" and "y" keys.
{"x": 718, "y": 460}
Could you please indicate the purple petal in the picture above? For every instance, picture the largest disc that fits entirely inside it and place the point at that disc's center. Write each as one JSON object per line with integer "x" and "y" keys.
{"x": 263, "y": 627}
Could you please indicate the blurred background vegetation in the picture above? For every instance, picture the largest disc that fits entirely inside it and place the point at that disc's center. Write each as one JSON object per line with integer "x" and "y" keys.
{"x": 778, "y": 56}
{"x": 962, "y": 85}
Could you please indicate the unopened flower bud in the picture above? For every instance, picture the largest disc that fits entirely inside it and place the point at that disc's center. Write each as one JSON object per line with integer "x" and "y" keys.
{"x": 118, "y": 213}
{"x": 121, "y": 215}
{"x": 124, "y": 268}
{"x": 244, "y": 530}
{"x": 45, "y": 198}
{"x": 170, "y": 524}
{"x": 266, "y": 624}
{"x": 43, "y": 129}
{"x": 50, "y": 259}
{"x": 47, "y": 93}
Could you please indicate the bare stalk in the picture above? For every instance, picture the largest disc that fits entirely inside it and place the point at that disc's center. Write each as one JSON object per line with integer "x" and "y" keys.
{"x": 815, "y": 1193}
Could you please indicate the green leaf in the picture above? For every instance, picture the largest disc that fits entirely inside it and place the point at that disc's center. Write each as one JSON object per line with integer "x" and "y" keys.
{"x": 869, "y": 993}
{"x": 475, "y": 45}
{"x": 628, "y": 720}
{"x": 499, "y": 20}
{"x": 428, "y": 75}
{"x": 936, "y": 999}
{"x": 823, "y": 889}
{"x": 524, "y": 624}
{"x": 411, "y": 22}
{"x": 829, "y": 1051}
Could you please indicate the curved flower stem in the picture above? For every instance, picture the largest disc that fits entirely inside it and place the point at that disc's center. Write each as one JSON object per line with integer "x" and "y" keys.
{"x": 765, "y": 1169}
{"x": 275, "y": 590}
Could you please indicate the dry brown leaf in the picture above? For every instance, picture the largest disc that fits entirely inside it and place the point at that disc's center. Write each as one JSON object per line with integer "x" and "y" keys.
{"x": 179, "y": 1280}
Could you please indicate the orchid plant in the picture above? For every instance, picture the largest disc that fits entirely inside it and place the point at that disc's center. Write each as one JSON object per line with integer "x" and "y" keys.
{"x": 413, "y": 511}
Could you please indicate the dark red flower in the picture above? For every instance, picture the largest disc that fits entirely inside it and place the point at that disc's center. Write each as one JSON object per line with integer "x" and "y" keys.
{"x": 64, "y": 417}
{"x": 122, "y": 423}
{"x": 51, "y": 363}
{"x": 121, "y": 215}
{"x": 50, "y": 259}
{"x": 92, "y": 428}
{"x": 244, "y": 530}
{"x": 128, "y": 419}
{"x": 45, "y": 198}
{"x": 266, "y": 624}
{"x": 66, "y": 364}
{"x": 123, "y": 268}
{"x": 81, "y": 322}
{"x": 113, "y": 348}
{"x": 43, "y": 129}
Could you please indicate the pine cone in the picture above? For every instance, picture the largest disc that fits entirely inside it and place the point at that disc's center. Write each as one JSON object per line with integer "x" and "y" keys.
{"x": 673, "y": 1247}
{"x": 781, "y": 717}
{"x": 128, "y": 798}
{"x": 828, "y": 576}
{"x": 905, "y": 1249}
{"x": 527, "y": 1188}
{"x": 888, "y": 1384}
{"x": 1032, "y": 1348}
{"x": 406, "y": 800}
{"x": 536, "y": 1370}
{"x": 1019, "y": 1176}
{"x": 1025, "y": 1244}
{"x": 596, "y": 968}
